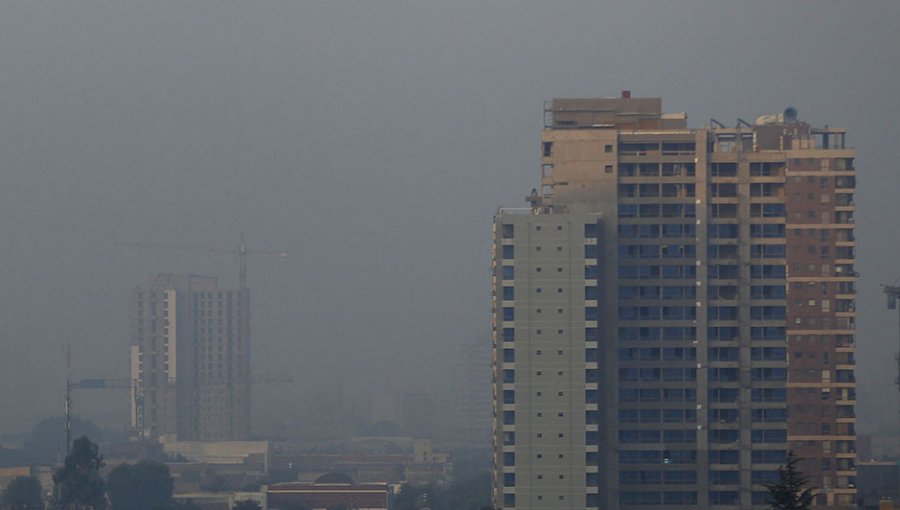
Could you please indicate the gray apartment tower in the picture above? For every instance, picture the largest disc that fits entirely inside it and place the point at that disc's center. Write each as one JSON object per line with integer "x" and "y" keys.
{"x": 673, "y": 312}
{"x": 190, "y": 359}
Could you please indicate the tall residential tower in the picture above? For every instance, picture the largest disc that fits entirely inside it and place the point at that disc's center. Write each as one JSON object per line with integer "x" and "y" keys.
{"x": 674, "y": 311}
{"x": 190, "y": 359}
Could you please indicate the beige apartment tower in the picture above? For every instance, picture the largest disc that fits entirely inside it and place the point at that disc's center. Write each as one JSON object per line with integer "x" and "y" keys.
{"x": 190, "y": 359}
{"x": 674, "y": 311}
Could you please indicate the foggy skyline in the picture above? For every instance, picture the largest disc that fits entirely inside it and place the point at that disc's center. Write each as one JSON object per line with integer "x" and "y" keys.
{"x": 373, "y": 141}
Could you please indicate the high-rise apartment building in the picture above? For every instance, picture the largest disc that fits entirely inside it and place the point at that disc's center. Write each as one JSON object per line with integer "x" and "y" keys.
{"x": 190, "y": 358}
{"x": 674, "y": 312}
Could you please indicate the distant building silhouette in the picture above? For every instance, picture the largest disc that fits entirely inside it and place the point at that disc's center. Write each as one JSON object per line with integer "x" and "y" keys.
{"x": 190, "y": 359}
{"x": 472, "y": 393}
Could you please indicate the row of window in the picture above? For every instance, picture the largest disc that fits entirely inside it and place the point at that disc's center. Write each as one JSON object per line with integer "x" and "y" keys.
{"x": 654, "y": 272}
{"x": 666, "y": 231}
{"x": 657, "y": 353}
{"x": 657, "y": 292}
{"x": 655, "y": 313}
{"x": 658, "y": 477}
{"x": 657, "y": 210}
{"x": 657, "y": 415}
{"x": 654, "y": 251}
{"x": 667, "y": 395}
{"x": 719, "y": 333}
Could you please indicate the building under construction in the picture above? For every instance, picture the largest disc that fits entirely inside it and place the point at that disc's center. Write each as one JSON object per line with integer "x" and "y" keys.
{"x": 190, "y": 359}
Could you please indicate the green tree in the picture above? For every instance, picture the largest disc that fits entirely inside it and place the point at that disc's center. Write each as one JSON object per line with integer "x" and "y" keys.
{"x": 790, "y": 491}
{"x": 78, "y": 483}
{"x": 146, "y": 485}
{"x": 247, "y": 504}
{"x": 47, "y": 441}
{"x": 23, "y": 493}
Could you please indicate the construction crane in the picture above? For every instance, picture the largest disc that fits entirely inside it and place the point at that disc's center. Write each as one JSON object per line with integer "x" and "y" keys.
{"x": 241, "y": 251}
{"x": 133, "y": 384}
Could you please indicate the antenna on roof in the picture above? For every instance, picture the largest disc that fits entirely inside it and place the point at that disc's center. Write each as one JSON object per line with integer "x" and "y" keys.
{"x": 744, "y": 122}
{"x": 716, "y": 123}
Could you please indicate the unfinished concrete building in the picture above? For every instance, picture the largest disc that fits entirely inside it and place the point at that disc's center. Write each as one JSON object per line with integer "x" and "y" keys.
{"x": 190, "y": 359}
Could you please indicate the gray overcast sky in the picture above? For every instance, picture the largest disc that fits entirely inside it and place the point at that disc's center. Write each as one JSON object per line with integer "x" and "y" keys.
{"x": 374, "y": 140}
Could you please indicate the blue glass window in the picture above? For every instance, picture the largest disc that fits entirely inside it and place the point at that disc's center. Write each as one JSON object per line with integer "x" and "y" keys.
{"x": 768, "y": 416}
{"x": 509, "y": 375}
{"x": 509, "y": 355}
{"x": 509, "y": 313}
{"x": 590, "y": 272}
{"x": 509, "y": 272}
{"x": 508, "y": 251}
{"x": 768, "y": 436}
{"x": 509, "y": 459}
{"x": 767, "y": 313}
{"x": 724, "y": 497}
{"x": 590, "y": 251}
{"x": 590, "y": 230}
{"x": 723, "y": 436}
{"x": 768, "y": 456}
{"x": 590, "y": 292}
{"x": 768, "y": 333}
{"x": 509, "y": 293}
{"x": 509, "y": 334}
{"x": 509, "y": 417}
{"x": 509, "y": 479}
{"x": 724, "y": 477}
{"x": 768, "y": 271}
{"x": 724, "y": 456}
{"x": 509, "y": 396}
{"x": 509, "y": 500}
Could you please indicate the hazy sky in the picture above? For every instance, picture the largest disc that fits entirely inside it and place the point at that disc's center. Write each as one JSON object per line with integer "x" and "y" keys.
{"x": 373, "y": 140}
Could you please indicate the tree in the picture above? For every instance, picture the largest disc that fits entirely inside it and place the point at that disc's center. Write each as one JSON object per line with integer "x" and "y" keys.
{"x": 146, "y": 485}
{"x": 47, "y": 440}
{"x": 23, "y": 493}
{"x": 78, "y": 483}
{"x": 247, "y": 504}
{"x": 790, "y": 491}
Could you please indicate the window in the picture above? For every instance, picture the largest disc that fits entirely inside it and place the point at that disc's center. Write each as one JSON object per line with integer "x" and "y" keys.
{"x": 508, "y": 251}
{"x": 547, "y": 149}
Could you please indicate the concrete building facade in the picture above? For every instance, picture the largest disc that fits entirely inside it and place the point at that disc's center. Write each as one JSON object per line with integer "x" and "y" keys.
{"x": 190, "y": 359}
{"x": 674, "y": 311}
